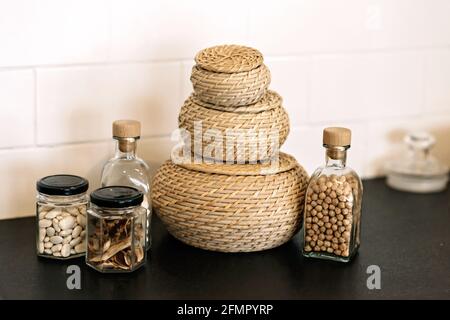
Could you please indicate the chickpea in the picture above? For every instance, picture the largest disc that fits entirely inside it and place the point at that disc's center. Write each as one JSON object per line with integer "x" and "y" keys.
{"x": 346, "y": 222}
{"x": 328, "y": 200}
{"x": 319, "y": 243}
{"x": 327, "y": 243}
{"x": 320, "y": 215}
{"x": 315, "y": 219}
{"x": 323, "y": 248}
{"x": 314, "y": 196}
{"x": 319, "y": 208}
{"x": 312, "y": 243}
{"x": 321, "y": 196}
{"x": 308, "y": 238}
{"x": 342, "y": 229}
{"x": 334, "y": 227}
{"x": 328, "y": 225}
{"x": 316, "y": 248}
{"x": 329, "y": 232}
{"x": 321, "y": 236}
{"x": 326, "y": 219}
{"x": 323, "y": 229}
{"x": 308, "y": 220}
{"x": 321, "y": 223}
{"x": 330, "y": 250}
{"x": 315, "y": 227}
{"x": 329, "y": 237}
{"x": 338, "y": 252}
{"x": 307, "y": 248}
{"x": 314, "y": 237}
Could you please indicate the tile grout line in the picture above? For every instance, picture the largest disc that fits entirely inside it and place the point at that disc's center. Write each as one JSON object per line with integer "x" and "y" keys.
{"x": 76, "y": 143}
{"x": 35, "y": 108}
{"x": 268, "y": 56}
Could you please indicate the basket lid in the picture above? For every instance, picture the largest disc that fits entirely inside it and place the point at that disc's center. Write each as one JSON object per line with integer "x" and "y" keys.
{"x": 229, "y": 58}
{"x": 284, "y": 163}
{"x": 270, "y": 100}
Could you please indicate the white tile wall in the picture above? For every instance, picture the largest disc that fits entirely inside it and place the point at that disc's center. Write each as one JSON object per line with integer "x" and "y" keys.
{"x": 16, "y": 108}
{"x": 172, "y": 29}
{"x": 79, "y": 103}
{"x": 366, "y": 86}
{"x": 437, "y": 81}
{"x": 69, "y": 68}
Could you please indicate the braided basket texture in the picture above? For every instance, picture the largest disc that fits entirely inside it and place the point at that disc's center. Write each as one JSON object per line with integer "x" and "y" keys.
{"x": 247, "y": 136}
{"x": 231, "y": 208}
{"x": 229, "y": 75}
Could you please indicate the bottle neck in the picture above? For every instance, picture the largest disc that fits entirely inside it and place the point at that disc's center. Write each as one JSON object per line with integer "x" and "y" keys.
{"x": 336, "y": 156}
{"x": 126, "y": 148}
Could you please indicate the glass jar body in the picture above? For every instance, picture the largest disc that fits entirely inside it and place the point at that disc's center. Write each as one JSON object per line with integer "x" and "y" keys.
{"x": 332, "y": 215}
{"x": 61, "y": 226}
{"x": 116, "y": 238}
{"x": 127, "y": 169}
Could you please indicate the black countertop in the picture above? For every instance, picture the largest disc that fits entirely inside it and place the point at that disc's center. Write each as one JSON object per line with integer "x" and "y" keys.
{"x": 406, "y": 235}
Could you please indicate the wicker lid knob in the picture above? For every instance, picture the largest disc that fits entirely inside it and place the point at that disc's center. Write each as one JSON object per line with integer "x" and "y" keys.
{"x": 229, "y": 59}
{"x": 126, "y": 129}
{"x": 337, "y": 136}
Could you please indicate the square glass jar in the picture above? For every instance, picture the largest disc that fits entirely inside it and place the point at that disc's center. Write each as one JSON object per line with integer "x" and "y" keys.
{"x": 116, "y": 230}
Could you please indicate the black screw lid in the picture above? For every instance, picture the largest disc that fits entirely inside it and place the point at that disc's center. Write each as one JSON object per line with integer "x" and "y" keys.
{"x": 62, "y": 185}
{"x": 117, "y": 197}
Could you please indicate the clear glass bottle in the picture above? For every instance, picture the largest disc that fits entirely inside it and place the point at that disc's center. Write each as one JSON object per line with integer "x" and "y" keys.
{"x": 116, "y": 230}
{"x": 126, "y": 168}
{"x": 416, "y": 170}
{"x": 61, "y": 204}
{"x": 332, "y": 216}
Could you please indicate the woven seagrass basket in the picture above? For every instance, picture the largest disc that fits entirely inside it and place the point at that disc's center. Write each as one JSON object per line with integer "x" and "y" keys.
{"x": 250, "y": 133}
{"x": 231, "y": 208}
{"x": 230, "y": 75}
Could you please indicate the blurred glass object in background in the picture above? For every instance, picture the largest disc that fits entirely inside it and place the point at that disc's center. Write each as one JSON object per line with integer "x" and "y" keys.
{"x": 416, "y": 170}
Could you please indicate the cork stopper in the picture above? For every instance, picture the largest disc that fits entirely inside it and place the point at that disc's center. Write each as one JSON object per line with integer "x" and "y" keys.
{"x": 126, "y": 129}
{"x": 337, "y": 136}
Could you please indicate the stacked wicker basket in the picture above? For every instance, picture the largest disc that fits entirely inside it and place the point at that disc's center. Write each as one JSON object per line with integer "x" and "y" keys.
{"x": 245, "y": 198}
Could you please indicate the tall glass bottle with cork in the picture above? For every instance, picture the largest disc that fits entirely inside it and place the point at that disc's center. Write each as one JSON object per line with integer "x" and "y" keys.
{"x": 126, "y": 168}
{"x": 332, "y": 214}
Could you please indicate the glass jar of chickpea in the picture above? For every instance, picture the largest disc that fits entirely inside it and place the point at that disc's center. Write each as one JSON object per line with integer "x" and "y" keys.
{"x": 332, "y": 214}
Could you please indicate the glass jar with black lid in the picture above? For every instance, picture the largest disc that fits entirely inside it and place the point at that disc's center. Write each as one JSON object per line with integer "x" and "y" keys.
{"x": 116, "y": 229}
{"x": 61, "y": 206}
